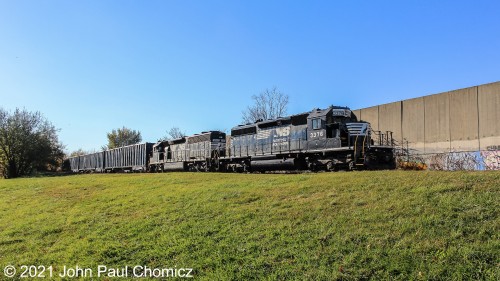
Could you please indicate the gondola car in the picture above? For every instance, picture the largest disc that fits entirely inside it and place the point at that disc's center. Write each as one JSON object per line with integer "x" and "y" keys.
{"x": 93, "y": 162}
{"x": 130, "y": 158}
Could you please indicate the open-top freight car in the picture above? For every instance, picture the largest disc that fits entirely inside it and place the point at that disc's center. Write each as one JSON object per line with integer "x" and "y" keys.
{"x": 74, "y": 163}
{"x": 133, "y": 158}
{"x": 127, "y": 158}
{"x": 93, "y": 162}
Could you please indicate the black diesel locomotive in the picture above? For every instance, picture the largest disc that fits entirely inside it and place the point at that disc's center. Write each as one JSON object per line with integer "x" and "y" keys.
{"x": 323, "y": 139}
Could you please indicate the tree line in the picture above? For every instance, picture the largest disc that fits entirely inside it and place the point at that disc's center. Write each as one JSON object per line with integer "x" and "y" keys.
{"x": 29, "y": 142}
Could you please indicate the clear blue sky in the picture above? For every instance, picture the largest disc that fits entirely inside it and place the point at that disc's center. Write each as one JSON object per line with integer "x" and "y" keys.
{"x": 91, "y": 66}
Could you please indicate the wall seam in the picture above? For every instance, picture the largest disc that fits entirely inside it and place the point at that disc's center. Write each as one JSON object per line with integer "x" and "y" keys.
{"x": 425, "y": 144}
{"x": 477, "y": 107}
{"x": 378, "y": 117}
{"x": 401, "y": 124}
{"x": 448, "y": 94}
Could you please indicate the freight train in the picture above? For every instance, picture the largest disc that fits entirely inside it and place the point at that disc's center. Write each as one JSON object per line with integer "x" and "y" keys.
{"x": 328, "y": 139}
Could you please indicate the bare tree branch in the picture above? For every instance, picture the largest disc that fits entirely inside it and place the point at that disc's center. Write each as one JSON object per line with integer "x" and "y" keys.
{"x": 174, "y": 133}
{"x": 269, "y": 104}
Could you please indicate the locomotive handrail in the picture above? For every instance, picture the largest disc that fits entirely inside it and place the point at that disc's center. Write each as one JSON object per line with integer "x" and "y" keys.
{"x": 364, "y": 142}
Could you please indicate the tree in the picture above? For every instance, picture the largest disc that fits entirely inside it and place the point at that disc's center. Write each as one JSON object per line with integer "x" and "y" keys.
{"x": 269, "y": 104}
{"x": 174, "y": 133}
{"x": 122, "y": 137}
{"x": 78, "y": 152}
{"x": 28, "y": 142}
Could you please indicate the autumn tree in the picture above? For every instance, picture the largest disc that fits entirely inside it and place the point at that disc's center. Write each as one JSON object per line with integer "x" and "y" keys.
{"x": 122, "y": 137}
{"x": 28, "y": 143}
{"x": 78, "y": 152}
{"x": 269, "y": 104}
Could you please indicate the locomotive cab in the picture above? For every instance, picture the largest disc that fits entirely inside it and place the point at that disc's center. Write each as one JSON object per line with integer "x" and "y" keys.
{"x": 218, "y": 144}
{"x": 158, "y": 152}
{"x": 157, "y": 156}
{"x": 327, "y": 127}
{"x": 316, "y": 124}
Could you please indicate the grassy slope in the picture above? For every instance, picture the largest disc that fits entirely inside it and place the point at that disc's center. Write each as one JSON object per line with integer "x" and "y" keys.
{"x": 406, "y": 225}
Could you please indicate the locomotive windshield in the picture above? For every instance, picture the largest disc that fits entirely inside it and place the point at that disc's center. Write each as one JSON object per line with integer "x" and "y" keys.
{"x": 316, "y": 123}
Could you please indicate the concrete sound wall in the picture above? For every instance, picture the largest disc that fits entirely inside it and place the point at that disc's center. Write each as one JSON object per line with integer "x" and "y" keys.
{"x": 389, "y": 119}
{"x": 489, "y": 116}
{"x": 464, "y": 120}
{"x": 437, "y": 123}
{"x": 413, "y": 123}
{"x": 371, "y": 113}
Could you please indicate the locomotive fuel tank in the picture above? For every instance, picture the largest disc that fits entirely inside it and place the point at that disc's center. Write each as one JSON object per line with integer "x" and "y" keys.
{"x": 273, "y": 165}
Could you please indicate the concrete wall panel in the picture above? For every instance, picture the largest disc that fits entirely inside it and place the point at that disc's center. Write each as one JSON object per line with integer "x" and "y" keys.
{"x": 437, "y": 147}
{"x": 357, "y": 112}
{"x": 489, "y": 115}
{"x": 390, "y": 119}
{"x": 490, "y": 143}
{"x": 464, "y": 123}
{"x": 437, "y": 123}
{"x": 370, "y": 114}
{"x": 414, "y": 123}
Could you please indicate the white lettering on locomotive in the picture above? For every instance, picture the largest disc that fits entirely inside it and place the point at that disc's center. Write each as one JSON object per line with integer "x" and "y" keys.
{"x": 316, "y": 134}
{"x": 282, "y": 132}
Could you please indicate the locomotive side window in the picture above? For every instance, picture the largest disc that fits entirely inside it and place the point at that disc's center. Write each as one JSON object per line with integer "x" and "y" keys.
{"x": 316, "y": 124}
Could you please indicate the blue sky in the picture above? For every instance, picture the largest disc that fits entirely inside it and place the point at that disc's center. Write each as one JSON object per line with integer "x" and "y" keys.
{"x": 91, "y": 66}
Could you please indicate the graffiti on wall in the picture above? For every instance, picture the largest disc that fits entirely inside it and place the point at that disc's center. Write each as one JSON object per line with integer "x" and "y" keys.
{"x": 413, "y": 159}
{"x": 491, "y": 157}
{"x": 460, "y": 161}
{"x": 455, "y": 161}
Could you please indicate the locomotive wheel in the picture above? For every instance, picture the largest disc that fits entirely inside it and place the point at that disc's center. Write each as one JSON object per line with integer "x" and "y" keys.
{"x": 351, "y": 166}
{"x": 202, "y": 167}
{"x": 330, "y": 166}
{"x": 234, "y": 169}
{"x": 312, "y": 167}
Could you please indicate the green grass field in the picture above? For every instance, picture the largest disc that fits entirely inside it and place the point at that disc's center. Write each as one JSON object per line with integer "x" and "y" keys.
{"x": 350, "y": 225}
